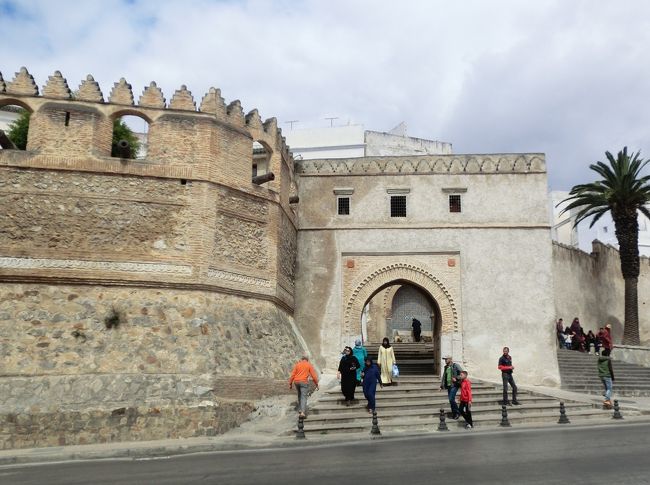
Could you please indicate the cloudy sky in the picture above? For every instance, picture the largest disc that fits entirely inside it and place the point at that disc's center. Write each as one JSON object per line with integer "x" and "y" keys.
{"x": 569, "y": 78}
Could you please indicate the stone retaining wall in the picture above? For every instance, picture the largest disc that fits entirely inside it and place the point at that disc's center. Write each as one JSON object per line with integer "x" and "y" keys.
{"x": 180, "y": 363}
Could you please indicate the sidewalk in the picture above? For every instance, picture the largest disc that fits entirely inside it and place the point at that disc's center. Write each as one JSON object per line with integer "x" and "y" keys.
{"x": 267, "y": 429}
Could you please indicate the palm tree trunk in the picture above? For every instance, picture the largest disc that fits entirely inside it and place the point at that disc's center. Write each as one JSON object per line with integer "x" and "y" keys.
{"x": 631, "y": 331}
{"x": 627, "y": 233}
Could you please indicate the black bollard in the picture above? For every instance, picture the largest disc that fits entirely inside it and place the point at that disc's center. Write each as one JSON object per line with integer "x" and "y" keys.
{"x": 442, "y": 426}
{"x": 504, "y": 417}
{"x": 563, "y": 417}
{"x": 375, "y": 424}
{"x": 617, "y": 411}
{"x": 300, "y": 434}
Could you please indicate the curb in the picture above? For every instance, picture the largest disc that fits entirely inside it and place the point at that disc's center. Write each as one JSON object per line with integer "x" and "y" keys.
{"x": 156, "y": 450}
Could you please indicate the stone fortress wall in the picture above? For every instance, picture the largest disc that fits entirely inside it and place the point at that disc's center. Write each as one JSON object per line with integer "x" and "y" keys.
{"x": 590, "y": 286}
{"x": 140, "y": 299}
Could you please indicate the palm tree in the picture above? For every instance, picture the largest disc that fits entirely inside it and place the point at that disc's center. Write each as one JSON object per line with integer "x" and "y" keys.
{"x": 623, "y": 192}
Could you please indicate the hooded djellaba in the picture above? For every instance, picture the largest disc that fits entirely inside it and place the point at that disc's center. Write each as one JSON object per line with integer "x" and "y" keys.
{"x": 371, "y": 377}
{"x": 360, "y": 352}
{"x": 348, "y": 374}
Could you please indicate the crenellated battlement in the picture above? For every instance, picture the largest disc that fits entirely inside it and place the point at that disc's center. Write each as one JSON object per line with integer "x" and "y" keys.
{"x": 151, "y": 106}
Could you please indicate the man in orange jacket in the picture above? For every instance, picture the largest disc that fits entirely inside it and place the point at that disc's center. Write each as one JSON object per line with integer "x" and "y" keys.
{"x": 300, "y": 377}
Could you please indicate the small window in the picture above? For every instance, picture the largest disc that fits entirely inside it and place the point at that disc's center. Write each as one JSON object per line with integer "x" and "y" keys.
{"x": 454, "y": 203}
{"x": 344, "y": 206}
{"x": 398, "y": 206}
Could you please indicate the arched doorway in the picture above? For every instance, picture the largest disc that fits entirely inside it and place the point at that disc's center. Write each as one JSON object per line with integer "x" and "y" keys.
{"x": 381, "y": 285}
{"x": 389, "y": 312}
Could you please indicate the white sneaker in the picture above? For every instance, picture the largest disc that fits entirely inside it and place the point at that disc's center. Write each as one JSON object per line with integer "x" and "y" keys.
{"x": 468, "y": 426}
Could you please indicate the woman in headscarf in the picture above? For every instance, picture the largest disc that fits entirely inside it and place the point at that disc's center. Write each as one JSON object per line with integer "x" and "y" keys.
{"x": 360, "y": 352}
{"x": 371, "y": 376}
{"x": 348, "y": 374}
{"x": 385, "y": 360}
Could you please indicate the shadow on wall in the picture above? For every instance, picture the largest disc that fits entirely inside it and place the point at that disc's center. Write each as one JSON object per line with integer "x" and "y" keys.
{"x": 617, "y": 328}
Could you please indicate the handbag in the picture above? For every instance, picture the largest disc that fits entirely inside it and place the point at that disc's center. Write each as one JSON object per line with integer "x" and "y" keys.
{"x": 395, "y": 370}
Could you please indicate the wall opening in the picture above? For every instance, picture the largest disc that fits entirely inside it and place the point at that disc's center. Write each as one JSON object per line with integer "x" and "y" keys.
{"x": 130, "y": 134}
{"x": 390, "y": 311}
{"x": 14, "y": 124}
{"x": 261, "y": 159}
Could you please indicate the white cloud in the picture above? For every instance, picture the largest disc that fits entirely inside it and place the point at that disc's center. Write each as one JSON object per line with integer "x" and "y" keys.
{"x": 566, "y": 78}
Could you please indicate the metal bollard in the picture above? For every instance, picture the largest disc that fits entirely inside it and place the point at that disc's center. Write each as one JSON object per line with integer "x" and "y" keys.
{"x": 442, "y": 426}
{"x": 375, "y": 424}
{"x": 504, "y": 417}
{"x": 617, "y": 411}
{"x": 300, "y": 434}
{"x": 563, "y": 417}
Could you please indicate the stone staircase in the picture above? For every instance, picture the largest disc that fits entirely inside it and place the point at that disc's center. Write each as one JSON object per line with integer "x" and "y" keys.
{"x": 412, "y": 358}
{"x": 414, "y": 404}
{"x": 578, "y": 373}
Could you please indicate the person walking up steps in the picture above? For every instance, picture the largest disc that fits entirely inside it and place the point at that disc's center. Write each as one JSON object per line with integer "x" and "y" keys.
{"x": 506, "y": 368}
{"x": 451, "y": 382}
{"x": 606, "y": 374}
{"x": 465, "y": 408}
{"x": 300, "y": 377}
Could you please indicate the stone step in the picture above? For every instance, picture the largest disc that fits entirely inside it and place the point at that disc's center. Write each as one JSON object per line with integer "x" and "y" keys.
{"x": 431, "y": 405}
{"x": 409, "y": 389}
{"x": 620, "y": 391}
{"x": 388, "y": 414}
{"x": 394, "y": 396}
{"x": 431, "y": 423}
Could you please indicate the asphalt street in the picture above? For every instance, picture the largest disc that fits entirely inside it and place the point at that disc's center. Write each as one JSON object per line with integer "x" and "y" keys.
{"x": 614, "y": 454}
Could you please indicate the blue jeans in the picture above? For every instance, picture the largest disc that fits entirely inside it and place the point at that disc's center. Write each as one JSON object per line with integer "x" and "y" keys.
{"x": 451, "y": 392}
{"x": 302, "y": 388}
{"x": 607, "y": 382}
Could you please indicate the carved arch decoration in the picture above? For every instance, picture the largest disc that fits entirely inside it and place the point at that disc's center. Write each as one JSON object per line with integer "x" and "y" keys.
{"x": 373, "y": 282}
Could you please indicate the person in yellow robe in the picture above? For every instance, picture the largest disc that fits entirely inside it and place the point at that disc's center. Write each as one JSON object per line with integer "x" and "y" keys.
{"x": 385, "y": 360}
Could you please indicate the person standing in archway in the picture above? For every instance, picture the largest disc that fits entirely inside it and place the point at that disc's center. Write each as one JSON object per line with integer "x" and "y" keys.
{"x": 417, "y": 329}
{"x": 385, "y": 360}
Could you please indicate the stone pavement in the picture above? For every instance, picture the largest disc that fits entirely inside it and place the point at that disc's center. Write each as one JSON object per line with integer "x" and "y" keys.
{"x": 267, "y": 429}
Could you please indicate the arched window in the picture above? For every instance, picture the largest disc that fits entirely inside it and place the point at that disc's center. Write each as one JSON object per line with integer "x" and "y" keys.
{"x": 130, "y": 133}
{"x": 261, "y": 159}
{"x": 14, "y": 127}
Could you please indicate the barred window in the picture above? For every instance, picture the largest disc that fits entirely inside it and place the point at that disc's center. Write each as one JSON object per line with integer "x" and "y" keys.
{"x": 344, "y": 206}
{"x": 398, "y": 206}
{"x": 454, "y": 203}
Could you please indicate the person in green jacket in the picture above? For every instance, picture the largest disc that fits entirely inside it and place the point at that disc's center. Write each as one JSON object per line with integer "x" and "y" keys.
{"x": 360, "y": 352}
{"x": 606, "y": 374}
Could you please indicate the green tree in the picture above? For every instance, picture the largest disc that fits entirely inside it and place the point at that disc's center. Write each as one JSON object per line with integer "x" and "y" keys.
{"x": 624, "y": 192}
{"x": 122, "y": 132}
{"x": 18, "y": 129}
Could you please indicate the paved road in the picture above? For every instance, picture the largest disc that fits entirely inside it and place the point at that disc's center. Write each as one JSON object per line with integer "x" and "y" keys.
{"x": 617, "y": 454}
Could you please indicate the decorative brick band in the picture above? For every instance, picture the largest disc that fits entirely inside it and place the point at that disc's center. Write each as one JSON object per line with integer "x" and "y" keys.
{"x": 238, "y": 278}
{"x": 43, "y": 263}
{"x": 431, "y": 164}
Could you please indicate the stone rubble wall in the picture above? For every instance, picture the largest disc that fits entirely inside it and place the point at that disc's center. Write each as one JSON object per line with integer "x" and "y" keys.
{"x": 171, "y": 351}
